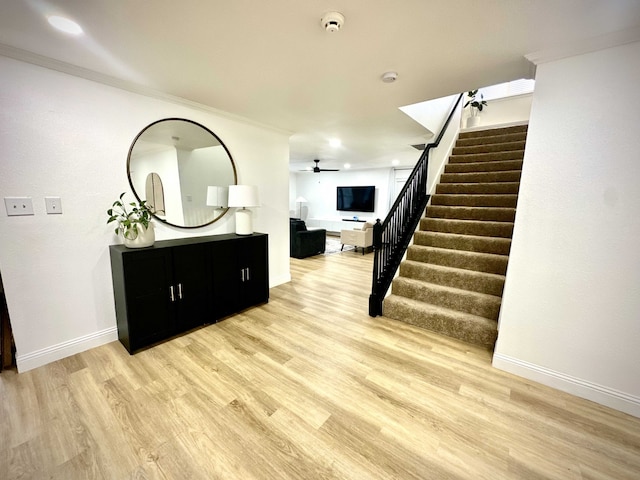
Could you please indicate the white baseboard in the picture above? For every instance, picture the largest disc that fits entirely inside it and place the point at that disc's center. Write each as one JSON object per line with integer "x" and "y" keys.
{"x": 36, "y": 359}
{"x": 279, "y": 280}
{"x": 606, "y": 396}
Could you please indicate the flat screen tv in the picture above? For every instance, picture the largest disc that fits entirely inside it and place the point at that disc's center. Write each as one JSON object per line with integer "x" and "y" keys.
{"x": 356, "y": 199}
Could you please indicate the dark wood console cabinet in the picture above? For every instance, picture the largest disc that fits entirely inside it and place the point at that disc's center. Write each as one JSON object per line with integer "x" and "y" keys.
{"x": 177, "y": 285}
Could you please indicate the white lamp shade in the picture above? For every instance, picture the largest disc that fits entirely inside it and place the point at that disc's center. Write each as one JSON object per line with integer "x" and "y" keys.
{"x": 243, "y": 196}
{"x": 301, "y": 200}
{"x": 217, "y": 196}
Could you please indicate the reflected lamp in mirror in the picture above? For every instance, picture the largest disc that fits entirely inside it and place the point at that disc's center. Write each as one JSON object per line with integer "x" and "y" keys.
{"x": 243, "y": 197}
{"x": 300, "y": 201}
{"x": 218, "y": 197}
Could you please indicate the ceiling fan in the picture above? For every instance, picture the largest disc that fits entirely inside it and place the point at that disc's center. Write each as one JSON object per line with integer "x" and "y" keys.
{"x": 317, "y": 168}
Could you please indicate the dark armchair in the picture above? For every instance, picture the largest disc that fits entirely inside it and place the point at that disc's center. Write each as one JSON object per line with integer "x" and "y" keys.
{"x": 305, "y": 243}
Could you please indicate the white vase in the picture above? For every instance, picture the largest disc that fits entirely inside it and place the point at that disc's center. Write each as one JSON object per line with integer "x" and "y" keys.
{"x": 473, "y": 120}
{"x": 145, "y": 237}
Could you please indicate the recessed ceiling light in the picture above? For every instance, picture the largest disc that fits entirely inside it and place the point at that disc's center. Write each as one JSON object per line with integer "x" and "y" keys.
{"x": 395, "y": 162}
{"x": 347, "y": 166}
{"x": 335, "y": 142}
{"x": 64, "y": 24}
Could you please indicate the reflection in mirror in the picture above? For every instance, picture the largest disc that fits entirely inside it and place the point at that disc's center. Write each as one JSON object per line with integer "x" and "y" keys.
{"x": 172, "y": 163}
{"x": 155, "y": 194}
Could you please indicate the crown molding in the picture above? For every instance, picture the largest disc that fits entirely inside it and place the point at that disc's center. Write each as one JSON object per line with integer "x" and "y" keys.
{"x": 588, "y": 45}
{"x": 93, "y": 76}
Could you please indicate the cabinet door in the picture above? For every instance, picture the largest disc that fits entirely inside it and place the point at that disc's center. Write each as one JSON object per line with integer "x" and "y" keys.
{"x": 192, "y": 286}
{"x": 254, "y": 265}
{"x": 226, "y": 277}
{"x": 150, "y": 312}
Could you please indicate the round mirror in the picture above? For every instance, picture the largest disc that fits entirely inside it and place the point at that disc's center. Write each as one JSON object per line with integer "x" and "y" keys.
{"x": 183, "y": 171}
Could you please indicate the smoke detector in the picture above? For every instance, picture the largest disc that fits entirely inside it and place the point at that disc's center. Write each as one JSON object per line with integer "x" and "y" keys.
{"x": 389, "y": 77}
{"x": 332, "y": 21}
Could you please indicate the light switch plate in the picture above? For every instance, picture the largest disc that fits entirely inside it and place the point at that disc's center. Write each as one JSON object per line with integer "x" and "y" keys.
{"x": 18, "y": 206}
{"x": 53, "y": 204}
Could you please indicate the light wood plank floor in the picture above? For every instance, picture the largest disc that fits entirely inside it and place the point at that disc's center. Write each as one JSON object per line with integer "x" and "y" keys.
{"x": 305, "y": 387}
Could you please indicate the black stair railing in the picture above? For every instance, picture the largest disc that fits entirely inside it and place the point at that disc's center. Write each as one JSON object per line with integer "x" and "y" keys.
{"x": 391, "y": 237}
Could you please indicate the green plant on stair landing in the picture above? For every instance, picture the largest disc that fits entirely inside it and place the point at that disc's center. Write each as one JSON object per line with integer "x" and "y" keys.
{"x": 127, "y": 220}
{"x": 475, "y": 104}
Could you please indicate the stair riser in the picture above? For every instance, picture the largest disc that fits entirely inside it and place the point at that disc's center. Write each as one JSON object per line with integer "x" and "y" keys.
{"x": 467, "y": 227}
{"x": 497, "y": 147}
{"x": 481, "y": 177}
{"x": 494, "y": 131}
{"x": 467, "y": 302}
{"x": 456, "y": 278}
{"x": 478, "y": 188}
{"x": 478, "y": 334}
{"x": 493, "y": 214}
{"x": 457, "y": 259}
{"x": 498, "y": 246}
{"x": 486, "y": 140}
{"x": 476, "y": 200}
{"x": 497, "y": 166}
{"x": 452, "y": 280}
{"x": 487, "y": 157}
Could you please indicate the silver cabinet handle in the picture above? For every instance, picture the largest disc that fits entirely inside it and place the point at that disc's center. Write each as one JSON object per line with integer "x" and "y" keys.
{"x": 180, "y": 291}
{"x": 172, "y": 296}
{"x": 242, "y": 274}
{"x": 248, "y": 277}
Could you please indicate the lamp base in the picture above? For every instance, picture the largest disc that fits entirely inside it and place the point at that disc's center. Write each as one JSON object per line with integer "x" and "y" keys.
{"x": 244, "y": 224}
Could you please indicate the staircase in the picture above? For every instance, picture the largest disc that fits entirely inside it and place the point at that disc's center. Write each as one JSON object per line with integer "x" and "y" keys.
{"x": 452, "y": 279}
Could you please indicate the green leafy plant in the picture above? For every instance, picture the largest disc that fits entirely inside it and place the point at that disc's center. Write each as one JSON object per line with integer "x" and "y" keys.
{"x": 128, "y": 218}
{"x": 473, "y": 100}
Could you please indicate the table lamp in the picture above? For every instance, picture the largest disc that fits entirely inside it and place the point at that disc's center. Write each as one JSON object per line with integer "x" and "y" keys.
{"x": 243, "y": 196}
{"x": 300, "y": 201}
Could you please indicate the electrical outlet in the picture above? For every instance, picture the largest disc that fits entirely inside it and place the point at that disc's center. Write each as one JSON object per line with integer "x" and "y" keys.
{"x": 53, "y": 204}
{"x": 18, "y": 206}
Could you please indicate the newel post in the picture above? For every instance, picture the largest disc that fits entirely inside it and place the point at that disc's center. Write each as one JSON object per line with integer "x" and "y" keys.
{"x": 375, "y": 302}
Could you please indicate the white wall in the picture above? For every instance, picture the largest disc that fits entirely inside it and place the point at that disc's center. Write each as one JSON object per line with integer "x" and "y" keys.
{"x": 319, "y": 189}
{"x": 503, "y": 111}
{"x": 571, "y": 308}
{"x": 65, "y": 136}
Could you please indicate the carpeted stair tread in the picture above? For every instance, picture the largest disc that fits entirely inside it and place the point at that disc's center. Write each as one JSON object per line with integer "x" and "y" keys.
{"x": 452, "y": 279}
{"x": 481, "y": 304}
{"x": 490, "y": 132}
{"x": 492, "y": 166}
{"x": 463, "y": 326}
{"x": 481, "y": 282}
{"x": 477, "y": 261}
{"x": 489, "y": 139}
{"x": 493, "y": 147}
{"x": 496, "y": 214}
{"x": 468, "y": 227}
{"x": 487, "y": 157}
{"x": 476, "y": 200}
{"x": 490, "y": 188}
{"x": 468, "y": 243}
{"x": 481, "y": 177}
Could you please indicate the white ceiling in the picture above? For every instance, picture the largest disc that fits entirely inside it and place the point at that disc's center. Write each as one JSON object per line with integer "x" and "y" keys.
{"x": 273, "y": 63}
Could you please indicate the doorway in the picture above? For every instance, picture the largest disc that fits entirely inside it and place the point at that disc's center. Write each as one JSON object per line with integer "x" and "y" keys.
{"x": 7, "y": 346}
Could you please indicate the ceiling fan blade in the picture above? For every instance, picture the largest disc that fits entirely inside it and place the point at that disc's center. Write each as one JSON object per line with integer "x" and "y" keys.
{"x": 317, "y": 168}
